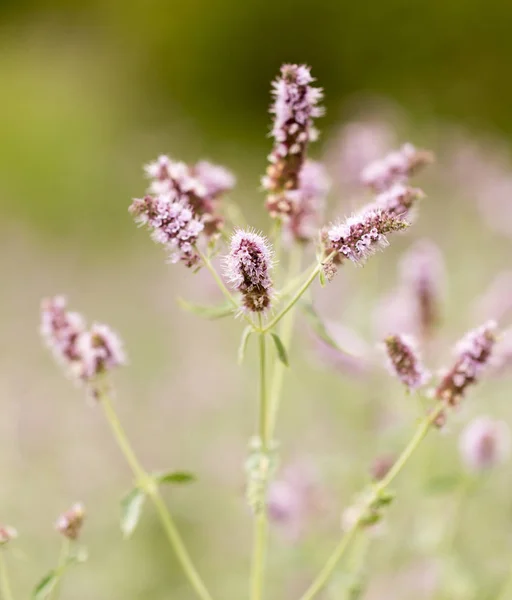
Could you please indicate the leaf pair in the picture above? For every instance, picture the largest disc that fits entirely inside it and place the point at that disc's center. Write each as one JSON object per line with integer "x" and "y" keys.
{"x": 133, "y": 503}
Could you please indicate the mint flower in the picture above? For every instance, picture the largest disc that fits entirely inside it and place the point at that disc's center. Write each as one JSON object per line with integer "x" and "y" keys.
{"x": 70, "y": 523}
{"x": 404, "y": 361}
{"x": 248, "y": 266}
{"x": 484, "y": 443}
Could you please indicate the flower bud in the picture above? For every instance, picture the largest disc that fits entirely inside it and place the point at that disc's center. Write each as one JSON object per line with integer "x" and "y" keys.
{"x": 70, "y": 523}
{"x": 7, "y": 534}
{"x": 404, "y": 361}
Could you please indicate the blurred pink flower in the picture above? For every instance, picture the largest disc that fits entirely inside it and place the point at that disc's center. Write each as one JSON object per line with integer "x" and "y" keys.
{"x": 484, "y": 443}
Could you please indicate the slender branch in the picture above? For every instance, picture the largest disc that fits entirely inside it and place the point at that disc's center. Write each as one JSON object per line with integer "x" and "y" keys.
{"x": 420, "y": 433}
{"x": 145, "y": 482}
{"x": 5, "y": 586}
{"x": 61, "y": 565}
{"x": 260, "y": 522}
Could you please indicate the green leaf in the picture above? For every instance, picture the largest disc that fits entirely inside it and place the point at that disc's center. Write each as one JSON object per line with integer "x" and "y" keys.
{"x": 443, "y": 484}
{"x": 319, "y": 327}
{"x": 131, "y": 510}
{"x": 207, "y": 312}
{"x": 243, "y": 343}
{"x": 281, "y": 350}
{"x": 174, "y": 477}
{"x": 44, "y": 588}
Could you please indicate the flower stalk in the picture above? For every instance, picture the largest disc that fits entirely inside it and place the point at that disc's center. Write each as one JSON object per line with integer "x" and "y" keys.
{"x": 5, "y": 585}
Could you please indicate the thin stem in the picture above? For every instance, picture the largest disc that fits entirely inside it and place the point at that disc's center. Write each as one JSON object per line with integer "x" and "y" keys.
{"x": 145, "y": 482}
{"x": 260, "y": 522}
{"x": 377, "y": 490}
{"x": 285, "y": 333}
{"x": 218, "y": 280}
{"x": 61, "y": 565}
{"x": 5, "y": 586}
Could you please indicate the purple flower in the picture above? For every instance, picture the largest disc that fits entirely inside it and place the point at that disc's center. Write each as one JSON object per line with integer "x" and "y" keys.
{"x": 404, "y": 361}
{"x": 396, "y": 167}
{"x": 215, "y": 179}
{"x": 84, "y": 353}
{"x": 484, "y": 443}
{"x": 70, "y": 523}
{"x": 473, "y": 354}
{"x": 398, "y": 200}
{"x": 7, "y": 534}
{"x": 248, "y": 267}
{"x": 362, "y": 235}
{"x": 295, "y": 106}
{"x": 309, "y": 200}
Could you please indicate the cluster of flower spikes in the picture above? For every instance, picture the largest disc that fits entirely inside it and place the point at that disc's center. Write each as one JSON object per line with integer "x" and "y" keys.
{"x": 296, "y": 105}
{"x": 84, "y": 352}
{"x": 183, "y": 202}
{"x": 365, "y": 232}
{"x": 247, "y": 267}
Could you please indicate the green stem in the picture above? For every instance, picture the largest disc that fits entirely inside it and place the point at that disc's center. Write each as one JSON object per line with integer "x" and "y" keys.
{"x": 5, "y": 586}
{"x": 145, "y": 482}
{"x": 61, "y": 565}
{"x": 260, "y": 521}
{"x": 420, "y": 433}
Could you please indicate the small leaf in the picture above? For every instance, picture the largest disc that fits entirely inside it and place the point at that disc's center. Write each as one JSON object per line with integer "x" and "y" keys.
{"x": 131, "y": 510}
{"x": 443, "y": 484}
{"x": 319, "y": 327}
{"x": 44, "y": 588}
{"x": 281, "y": 350}
{"x": 243, "y": 344}
{"x": 174, "y": 477}
{"x": 207, "y": 312}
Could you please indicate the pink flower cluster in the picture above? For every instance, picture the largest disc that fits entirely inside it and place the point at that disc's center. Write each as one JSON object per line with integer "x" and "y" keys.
{"x": 295, "y": 106}
{"x": 84, "y": 353}
{"x": 248, "y": 267}
{"x": 473, "y": 355}
{"x": 404, "y": 361}
{"x": 396, "y": 167}
{"x": 398, "y": 200}
{"x": 484, "y": 443}
{"x": 70, "y": 523}
{"x": 183, "y": 202}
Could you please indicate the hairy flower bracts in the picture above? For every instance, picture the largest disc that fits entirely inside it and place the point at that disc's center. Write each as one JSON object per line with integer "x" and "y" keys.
{"x": 309, "y": 200}
{"x": 84, "y": 353}
{"x": 396, "y": 167}
{"x": 183, "y": 202}
{"x": 248, "y": 266}
{"x": 294, "y": 108}
{"x": 473, "y": 355}
{"x": 398, "y": 200}
{"x": 361, "y": 235}
{"x": 404, "y": 361}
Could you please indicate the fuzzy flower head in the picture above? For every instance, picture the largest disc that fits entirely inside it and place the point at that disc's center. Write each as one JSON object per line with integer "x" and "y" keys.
{"x": 361, "y": 235}
{"x": 7, "y": 534}
{"x": 404, "y": 361}
{"x": 248, "y": 266}
{"x": 70, "y": 523}
{"x": 399, "y": 200}
{"x": 422, "y": 271}
{"x": 84, "y": 353}
{"x": 309, "y": 201}
{"x": 396, "y": 167}
{"x": 473, "y": 354}
{"x": 295, "y": 106}
{"x": 484, "y": 443}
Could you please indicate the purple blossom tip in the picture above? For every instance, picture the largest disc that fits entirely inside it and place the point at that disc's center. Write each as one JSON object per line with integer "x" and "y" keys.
{"x": 396, "y": 167}
{"x": 248, "y": 266}
{"x": 70, "y": 523}
{"x": 399, "y": 199}
{"x": 84, "y": 353}
{"x": 473, "y": 353}
{"x": 404, "y": 361}
{"x": 484, "y": 443}
{"x": 296, "y": 105}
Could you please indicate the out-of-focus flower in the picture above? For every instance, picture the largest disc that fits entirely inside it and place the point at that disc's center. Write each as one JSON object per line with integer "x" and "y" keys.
{"x": 294, "y": 108}
{"x": 381, "y": 467}
{"x": 396, "y": 167}
{"x": 484, "y": 443}
{"x": 309, "y": 201}
{"x": 361, "y": 235}
{"x": 7, "y": 534}
{"x": 248, "y": 266}
{"x": 84, "y": 353}
{"x": 422, "y": 272}
{"x": 496, "y": 302}
{"x": 473, "y": 354}
{"x": 501, "y": 359}
{"x": 172, "y": 223}
{"x": 398, "y": 200}
{"x": 215, "y": 179}
{"x": 404, "y": 361}
{"x": 70, "y": 523}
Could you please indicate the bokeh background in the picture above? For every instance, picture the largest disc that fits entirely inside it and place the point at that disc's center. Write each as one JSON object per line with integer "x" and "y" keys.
{"x": 92, "y": 90}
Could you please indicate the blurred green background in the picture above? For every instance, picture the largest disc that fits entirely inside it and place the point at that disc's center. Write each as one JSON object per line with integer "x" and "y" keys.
{"x": 90, "y": 91}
